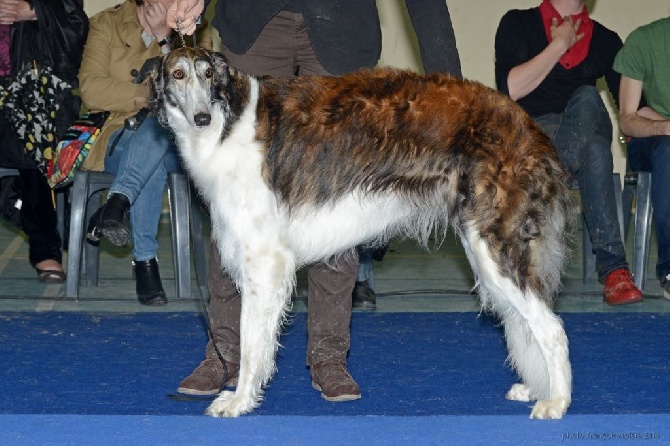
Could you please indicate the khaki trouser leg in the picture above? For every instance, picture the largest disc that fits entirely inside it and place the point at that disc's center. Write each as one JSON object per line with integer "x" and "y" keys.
{"x": 224, "y": 310}
{"x": 329, "y": 309}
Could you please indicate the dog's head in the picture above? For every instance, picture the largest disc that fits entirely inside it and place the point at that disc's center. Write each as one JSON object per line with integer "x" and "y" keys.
{"x": 186, "y": 84}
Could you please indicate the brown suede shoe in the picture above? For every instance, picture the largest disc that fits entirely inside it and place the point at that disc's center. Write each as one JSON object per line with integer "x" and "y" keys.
{"x": 207, "y": 378}
{"x": 334, "y": 381}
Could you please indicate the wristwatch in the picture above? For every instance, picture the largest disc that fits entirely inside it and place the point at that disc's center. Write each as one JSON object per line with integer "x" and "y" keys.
{"x": 166, "y": 40}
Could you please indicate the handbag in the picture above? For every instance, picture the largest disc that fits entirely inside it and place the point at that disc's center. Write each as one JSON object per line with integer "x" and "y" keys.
{"x": 73, "y": 148}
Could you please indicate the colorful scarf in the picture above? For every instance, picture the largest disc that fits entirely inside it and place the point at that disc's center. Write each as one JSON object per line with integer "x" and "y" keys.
{"x": 578, "y": 52}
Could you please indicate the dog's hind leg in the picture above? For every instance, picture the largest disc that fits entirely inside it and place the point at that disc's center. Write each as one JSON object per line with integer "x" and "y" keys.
{"x": 538, "y": 351}
{"x": 266, "y": 294}
{"x": 536, "y": 340}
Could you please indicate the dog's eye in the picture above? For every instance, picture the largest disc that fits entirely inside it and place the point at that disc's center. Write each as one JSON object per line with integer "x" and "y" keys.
{"x": 178, "y": 74}
{"x": 209, "y": 73}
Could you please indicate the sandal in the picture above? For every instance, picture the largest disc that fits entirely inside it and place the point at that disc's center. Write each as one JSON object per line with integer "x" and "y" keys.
{"x": 50, "y": 276}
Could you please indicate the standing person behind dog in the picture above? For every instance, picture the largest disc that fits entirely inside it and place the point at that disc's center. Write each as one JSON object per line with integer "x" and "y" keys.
{"x": 51, "y": 33}
{"x": 297, "y": 38}
{"x": 643, "y": 64}
{"x": 131, "y": 144}
{"x": 548, "y": 59}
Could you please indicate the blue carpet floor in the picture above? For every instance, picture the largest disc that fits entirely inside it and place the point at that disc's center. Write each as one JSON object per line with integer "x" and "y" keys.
{"x": 419, "y": 372}
{"x": 254, "y": 430}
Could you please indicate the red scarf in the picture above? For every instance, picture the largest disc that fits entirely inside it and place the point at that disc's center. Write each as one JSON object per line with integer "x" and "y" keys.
{"x": 578, "y": 52}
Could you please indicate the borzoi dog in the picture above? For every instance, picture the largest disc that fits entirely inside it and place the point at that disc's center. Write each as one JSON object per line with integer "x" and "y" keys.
{"x": 297, "y": 170}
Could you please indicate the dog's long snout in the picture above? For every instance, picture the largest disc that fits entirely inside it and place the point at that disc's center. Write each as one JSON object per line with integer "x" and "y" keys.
{"x": 202, "y": 119}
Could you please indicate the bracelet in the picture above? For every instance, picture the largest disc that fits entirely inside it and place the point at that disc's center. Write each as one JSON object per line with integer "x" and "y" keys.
{"x": 166, "y": 40}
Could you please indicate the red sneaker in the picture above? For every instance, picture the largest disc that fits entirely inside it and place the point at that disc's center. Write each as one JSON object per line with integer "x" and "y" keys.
{"x": 620, "y": 289}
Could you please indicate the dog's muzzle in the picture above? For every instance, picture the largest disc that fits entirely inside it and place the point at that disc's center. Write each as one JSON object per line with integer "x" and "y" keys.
{"x": 202, "y": 119}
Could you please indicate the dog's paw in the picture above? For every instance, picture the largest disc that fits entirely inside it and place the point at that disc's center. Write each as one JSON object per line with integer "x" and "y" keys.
{"x": 550, "y": 409}
{"x": 229, "y": 405}
{"x": 519, "y": 392}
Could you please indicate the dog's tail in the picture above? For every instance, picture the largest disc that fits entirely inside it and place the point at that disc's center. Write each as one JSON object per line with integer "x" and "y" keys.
{"x": 525, "y": 213}
{"x": 551, "y": 222}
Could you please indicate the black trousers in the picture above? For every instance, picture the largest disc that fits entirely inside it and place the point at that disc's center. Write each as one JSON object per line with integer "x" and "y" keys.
{"x": 38, "y": 217}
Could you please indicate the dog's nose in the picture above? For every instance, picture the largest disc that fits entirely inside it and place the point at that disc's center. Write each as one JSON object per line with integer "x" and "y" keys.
{"x": 202, "y": 119}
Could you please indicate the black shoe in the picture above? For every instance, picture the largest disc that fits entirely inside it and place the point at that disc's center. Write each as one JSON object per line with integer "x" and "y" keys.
{"x": 109, "y": 221}
{"x": 148, "y": 283}
{"x": 363, "y": 297}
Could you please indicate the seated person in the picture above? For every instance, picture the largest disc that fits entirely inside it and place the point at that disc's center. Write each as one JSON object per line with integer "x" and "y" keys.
{"x": 56, "y": 24}
{"x": 139, "y": 151}
{"x": 642, "y": 65}
{"x": 548, "y": 59}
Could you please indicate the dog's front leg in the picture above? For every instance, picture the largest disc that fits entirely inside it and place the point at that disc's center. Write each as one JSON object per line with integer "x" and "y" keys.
{"x": 266, "y": 296}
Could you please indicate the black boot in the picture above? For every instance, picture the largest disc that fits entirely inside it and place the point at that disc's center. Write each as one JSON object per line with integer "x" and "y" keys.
{"x": 364, "y": 297}
{"x": 109, "y": 221}
{"x": 148, "y": 283}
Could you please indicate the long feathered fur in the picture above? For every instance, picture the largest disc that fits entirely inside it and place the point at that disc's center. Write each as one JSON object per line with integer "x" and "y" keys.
{"x": 298, "y": 170}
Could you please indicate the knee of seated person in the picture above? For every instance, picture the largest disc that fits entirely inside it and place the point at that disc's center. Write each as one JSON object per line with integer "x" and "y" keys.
{"x": 643, "y": 153}
{"x": 662, "y": 143}
{"x": 660, "y": 157}
{"x": 589, "y": 103}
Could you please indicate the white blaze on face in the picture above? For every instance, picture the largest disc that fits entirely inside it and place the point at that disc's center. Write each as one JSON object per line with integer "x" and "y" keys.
{"x": 190, "y": 87}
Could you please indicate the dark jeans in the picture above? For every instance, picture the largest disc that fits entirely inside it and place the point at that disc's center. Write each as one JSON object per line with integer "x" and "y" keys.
{"x": 141, "y": 161}
{"x": 582, "y": 135}
{"x": 653, "y": 155}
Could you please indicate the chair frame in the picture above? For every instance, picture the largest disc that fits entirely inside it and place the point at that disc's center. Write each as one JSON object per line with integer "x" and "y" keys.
{"x": 185, "y": 217}
{"x": 638, "y": 184}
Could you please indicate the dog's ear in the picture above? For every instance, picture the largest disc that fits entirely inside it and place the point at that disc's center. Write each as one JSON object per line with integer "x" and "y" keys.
{"x": 150, "y": 70}
{"x": 220, "y": 64}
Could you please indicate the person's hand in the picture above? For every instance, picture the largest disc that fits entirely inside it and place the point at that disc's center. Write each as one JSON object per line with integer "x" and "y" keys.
{"x": 183, "y": 14}
{"x": 8, "y": 11}
{"x": 566, "y": 32}
{"x": 153, "y": 15}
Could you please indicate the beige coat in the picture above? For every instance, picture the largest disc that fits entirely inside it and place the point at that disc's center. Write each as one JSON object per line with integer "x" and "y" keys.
{"x": 113, "y": 49}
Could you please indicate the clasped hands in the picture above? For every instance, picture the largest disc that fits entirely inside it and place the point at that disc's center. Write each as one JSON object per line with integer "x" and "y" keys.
{"x": 12, "y": 11}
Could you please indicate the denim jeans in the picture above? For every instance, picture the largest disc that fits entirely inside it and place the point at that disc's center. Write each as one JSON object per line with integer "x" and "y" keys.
{"x": 141, "y": 160}
{"x": 582, "y": 135}
{"x": 653, "y": 155}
